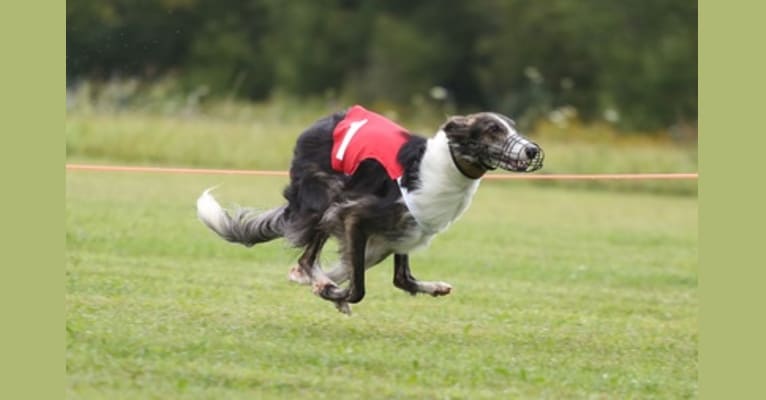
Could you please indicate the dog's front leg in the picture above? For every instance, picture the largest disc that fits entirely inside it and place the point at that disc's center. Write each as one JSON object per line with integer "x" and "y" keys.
{"x": 358, "y": 246}
{"x": 353, "y": 258}
{"x": 404, "y": 280}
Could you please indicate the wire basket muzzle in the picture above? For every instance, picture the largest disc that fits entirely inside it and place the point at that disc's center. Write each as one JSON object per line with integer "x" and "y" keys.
{"x": 517, "y": 154}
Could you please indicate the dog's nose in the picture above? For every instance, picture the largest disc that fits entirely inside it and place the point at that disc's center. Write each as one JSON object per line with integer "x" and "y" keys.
{"x": 531, "y": 152}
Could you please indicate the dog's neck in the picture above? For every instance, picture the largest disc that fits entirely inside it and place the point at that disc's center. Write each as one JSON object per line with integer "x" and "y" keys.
{"x": 445, "y": 190}
{"x": 468, "y": 169}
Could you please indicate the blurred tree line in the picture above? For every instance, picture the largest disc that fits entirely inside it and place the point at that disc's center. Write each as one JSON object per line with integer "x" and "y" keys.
{"x": 633, "y": 62}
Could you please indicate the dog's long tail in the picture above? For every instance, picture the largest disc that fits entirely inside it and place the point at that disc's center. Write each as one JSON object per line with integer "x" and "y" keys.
{"x": 245, "y": 227}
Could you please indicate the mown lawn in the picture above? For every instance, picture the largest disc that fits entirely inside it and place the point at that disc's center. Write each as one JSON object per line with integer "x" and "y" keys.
{"x": 558, "y": 293}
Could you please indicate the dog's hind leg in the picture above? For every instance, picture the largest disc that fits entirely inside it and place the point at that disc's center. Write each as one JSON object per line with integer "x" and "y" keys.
{"x": 309, "y": 271}
{"x": 404, "y": 280}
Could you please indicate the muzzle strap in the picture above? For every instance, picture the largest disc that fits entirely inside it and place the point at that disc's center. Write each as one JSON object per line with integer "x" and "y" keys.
{"x": 468, "y": 169}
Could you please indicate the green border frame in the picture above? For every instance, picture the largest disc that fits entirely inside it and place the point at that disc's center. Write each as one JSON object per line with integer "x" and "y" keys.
{"x": 33, "y": 246}
{"x": 731, "y": 148}
{"x": 32, "y": 111}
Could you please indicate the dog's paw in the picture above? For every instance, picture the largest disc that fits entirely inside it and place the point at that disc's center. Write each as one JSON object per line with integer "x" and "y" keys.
{"x": 298, "y": 276}
{"x": 436, "y": 288}
{"x": 328, "y": 290}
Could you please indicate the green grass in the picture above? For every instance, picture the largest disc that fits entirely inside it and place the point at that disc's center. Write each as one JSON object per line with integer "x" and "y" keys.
{"x": 557, "y": 294}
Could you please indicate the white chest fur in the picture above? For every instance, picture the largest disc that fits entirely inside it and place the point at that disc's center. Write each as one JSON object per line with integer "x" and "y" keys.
{"x": 444, "y": 192}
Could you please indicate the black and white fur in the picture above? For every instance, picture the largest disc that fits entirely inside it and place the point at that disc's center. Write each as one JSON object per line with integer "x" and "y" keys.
{"x": 371, "y": 215}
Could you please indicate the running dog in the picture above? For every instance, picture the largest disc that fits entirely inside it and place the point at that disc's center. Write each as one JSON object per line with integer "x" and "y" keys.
{"x": 379, "y": 190}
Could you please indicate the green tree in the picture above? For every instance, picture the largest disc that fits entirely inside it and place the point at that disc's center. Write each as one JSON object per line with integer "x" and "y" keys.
{"x": 522, "y": 57}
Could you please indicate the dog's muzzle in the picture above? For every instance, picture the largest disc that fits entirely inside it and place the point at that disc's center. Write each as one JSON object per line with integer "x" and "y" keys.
{"x": 517, "y": 154}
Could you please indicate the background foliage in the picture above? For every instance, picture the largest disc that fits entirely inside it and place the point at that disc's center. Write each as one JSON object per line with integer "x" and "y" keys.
{"x": 633, "y": 63}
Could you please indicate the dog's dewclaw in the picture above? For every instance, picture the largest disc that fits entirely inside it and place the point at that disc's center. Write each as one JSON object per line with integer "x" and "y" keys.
{"x": 343, "y": 307}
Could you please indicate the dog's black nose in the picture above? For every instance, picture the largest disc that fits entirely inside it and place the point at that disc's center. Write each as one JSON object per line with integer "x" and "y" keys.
{"x": 531, "y": 152}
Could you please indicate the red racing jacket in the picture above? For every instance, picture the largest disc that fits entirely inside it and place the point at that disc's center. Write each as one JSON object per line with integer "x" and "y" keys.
{"x": 363, "y": 135}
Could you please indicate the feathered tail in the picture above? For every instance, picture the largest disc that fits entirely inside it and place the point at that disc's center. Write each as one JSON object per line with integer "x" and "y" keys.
{"x": 244, "y": 227}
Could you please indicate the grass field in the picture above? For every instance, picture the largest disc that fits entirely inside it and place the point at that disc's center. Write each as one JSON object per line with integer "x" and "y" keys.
{"x": 558, "y": 293}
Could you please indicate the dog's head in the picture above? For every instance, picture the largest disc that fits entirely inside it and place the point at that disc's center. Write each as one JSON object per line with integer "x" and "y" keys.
{"x": 490, "y": 141}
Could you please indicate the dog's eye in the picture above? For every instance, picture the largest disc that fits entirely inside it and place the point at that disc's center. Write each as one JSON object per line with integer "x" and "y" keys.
{"x": 494, "y": 128}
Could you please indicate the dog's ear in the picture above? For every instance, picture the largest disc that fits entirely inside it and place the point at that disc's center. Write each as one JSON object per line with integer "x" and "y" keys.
{"x": 457, "y": 126}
